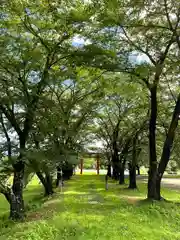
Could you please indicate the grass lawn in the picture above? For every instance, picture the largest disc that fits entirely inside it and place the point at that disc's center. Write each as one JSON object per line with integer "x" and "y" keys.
{"x": 85, "y": 211}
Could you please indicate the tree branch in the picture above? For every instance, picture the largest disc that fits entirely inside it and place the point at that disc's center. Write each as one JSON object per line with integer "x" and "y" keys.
{"x": 7, "y": 137}
{"x": 11, "y": 118}
{"x": 138, "y": 47}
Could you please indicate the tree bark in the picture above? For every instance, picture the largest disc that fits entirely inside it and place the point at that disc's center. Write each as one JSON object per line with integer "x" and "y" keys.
{"x": 109, "y": 170}
{"x": 46, "y": 182}
{"x": 115, "y": 157}
{"x": 106, "y": 182}
{"x": 115, "y": 161}
{"x": 138, "y": 170}
{"x": 49, "y": 185}
{"x": 132, "y": 166}
{"x": 158, "y": 187}
{"x": 17, "y": 202}
{"x": 132, "y": 176}
{"x": 165, "y": 157}
{"x": 41, "y": 178}
{"x": 115, "y": 174}
{"x": 67, "y": 170}
{"x": 121, "y": 174}
{"x": 152, "y": 194}
{"x": 58, "y": 179}
{"x": 123, "y": 157}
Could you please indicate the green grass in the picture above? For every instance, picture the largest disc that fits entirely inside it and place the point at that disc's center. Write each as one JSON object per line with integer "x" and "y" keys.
{"x": 85, "y": 211}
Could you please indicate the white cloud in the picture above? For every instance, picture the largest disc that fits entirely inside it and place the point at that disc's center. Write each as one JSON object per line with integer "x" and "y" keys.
{"x": 80, "y": 41}
{"x": 138, "y": 58}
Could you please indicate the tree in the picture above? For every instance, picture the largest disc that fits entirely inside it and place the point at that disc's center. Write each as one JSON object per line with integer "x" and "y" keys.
{"x": 34, "y": 51}
{"x": 148, "y": 31}
{"x": 117, "y": 117}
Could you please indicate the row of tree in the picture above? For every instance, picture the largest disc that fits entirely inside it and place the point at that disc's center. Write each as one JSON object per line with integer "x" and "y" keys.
{"x": 71, "y": 71}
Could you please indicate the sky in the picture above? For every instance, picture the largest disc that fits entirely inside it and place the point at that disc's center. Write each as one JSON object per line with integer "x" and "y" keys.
{"x": 78, "y": 41}
{"x": 135, "y": 56}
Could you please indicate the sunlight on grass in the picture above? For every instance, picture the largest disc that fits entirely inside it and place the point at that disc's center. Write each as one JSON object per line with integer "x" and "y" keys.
{"x": 74, "y": 192}
{"x": 86, "y": 211}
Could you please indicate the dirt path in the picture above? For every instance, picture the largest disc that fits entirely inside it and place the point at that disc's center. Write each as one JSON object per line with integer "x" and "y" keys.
{"x": 173, "y": 183}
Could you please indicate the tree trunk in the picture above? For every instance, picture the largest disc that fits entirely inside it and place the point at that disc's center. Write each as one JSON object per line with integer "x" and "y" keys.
{"x": 132, "y": 166}
{"x": 67, "y": 171}
{"x": 115, "y": 162}
{"x": 115, "y": 157}
{"x": 106, "y": 182}
{"x": 74, "y": 169}
{"x": 168, "y": 146}
{"x": 138, "y": 170}
{"x": 115, "y": 174}
{"x": 123, "y": 158}
{"x": 152, "y": 194}
{"x": 41, "y": 178}
{"x": 121, "y": 175}
{"x": 109, "y": 170}
{"x": 158, "y": 188}
{"x": 132, "y": 176}
{"x": 47, "y": 184}
{"x": 17, "y": 202}
{"x": 58, "y": 179}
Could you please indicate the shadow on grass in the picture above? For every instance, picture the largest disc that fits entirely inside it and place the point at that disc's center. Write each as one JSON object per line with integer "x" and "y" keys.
{"x": 34, "y": 201}
{"x": 86, "y": 195}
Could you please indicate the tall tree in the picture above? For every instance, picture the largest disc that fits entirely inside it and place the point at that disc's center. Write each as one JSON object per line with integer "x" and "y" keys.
{"x": 148, "y": 32}
{"x": 35, "y": 40}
